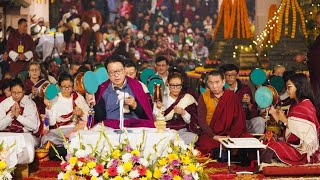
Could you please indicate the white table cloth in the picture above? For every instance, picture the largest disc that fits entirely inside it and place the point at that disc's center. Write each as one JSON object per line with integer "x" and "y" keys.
{"x": 135, "y": 138}
{"x": 24, "y": 150}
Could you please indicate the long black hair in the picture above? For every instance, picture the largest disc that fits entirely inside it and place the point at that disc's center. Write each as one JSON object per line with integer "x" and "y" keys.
{"x": 303, "y": 86}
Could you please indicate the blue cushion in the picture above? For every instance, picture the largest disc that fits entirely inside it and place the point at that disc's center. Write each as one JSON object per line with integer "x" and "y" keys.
{"x": 263, "y": 97}
{"x": 154, "y": 79}
{"x": 258, "y": 76}
{"x": 277, "y": 82}
{"x": 51, "y": 92}
{"x": 102, "y": 75}
{"x": 146, "y": 74}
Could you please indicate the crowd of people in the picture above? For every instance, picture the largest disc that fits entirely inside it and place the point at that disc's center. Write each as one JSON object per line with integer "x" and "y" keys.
{"x": 123, "y": 45}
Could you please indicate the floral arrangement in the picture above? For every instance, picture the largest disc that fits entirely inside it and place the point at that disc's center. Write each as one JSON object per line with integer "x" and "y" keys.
{"x": 5, "y": 171}
{"x": 180, "y": 163}
{"x": 123, "y": 162}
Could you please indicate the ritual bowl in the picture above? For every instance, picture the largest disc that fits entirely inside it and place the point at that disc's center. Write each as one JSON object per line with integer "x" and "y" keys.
{"x": 160, "y": 125}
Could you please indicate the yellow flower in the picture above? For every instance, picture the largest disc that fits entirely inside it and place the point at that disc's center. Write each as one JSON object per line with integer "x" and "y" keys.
{"x": 149, "y": 174}
{"x": 91, "y": 165}
{"x": 162, "y": 161}
{"x": 143, "y": 178}
{"x": 127, "y": 166}
{"x": 172, "y": 157}
{"x": 3, "y": 165}
{"x": 106, "y": 175}
{"x": 85, "y": 170}
{"x": 118, "y": 178}
{"x": 191, "y": 168}
{"x": 73, "y": 160}
{"x": 66, "y": 176}
{"x": 176, "y": 178}
{"x": 94, "y": 178}
{"x": 200, "y": 169}
{"x": 186, "y": 160}
{"x": 116, "y": 154}
{"x": 135, "y": 153}
{"x": 157, "y": 173}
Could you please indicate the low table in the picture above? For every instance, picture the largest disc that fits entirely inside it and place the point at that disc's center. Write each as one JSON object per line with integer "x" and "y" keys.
{"x": 240, "y": 143}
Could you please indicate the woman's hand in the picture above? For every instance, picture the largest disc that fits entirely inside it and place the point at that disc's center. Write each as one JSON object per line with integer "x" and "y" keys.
{"x": 78, "y": 112}
{"x": 282, "y": 116}
{"x": 34, "y": 92}
{"x": 179, "y": 110}
{"x": 159, "y": 104}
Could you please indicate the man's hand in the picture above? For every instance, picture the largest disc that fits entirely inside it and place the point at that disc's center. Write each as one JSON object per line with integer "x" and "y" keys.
{"x": 34, "y": 92}
{"x": 246, "y": 98}
{"x": 159, "y": 104}
{"x": 179, "y": 110}
{"x": 5, "y": 56}
{"x": 90, "y": 99}
{"x": 131, "y": 102}
{"x": 216, "y": 137}
{"x": 300, "y": 58}
{"x": 21, "y": 57}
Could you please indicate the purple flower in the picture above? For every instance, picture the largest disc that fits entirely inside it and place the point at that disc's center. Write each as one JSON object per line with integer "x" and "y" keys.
{"x": 175, "y": 162}
{"x": 166, "y": 177}
{"x": 135, "y": 159}
{"x": 187, "y": 177}
{"x": 128, "y": 149}
{"x": 115, "y": 162}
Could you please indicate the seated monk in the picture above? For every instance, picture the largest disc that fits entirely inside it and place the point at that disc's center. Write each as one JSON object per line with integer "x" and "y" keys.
{"x": 137, "y": 109}
{"x": 180, "y": 108}
{"x": 220, "y": 113}
{"x": 18, "y": 113}
{"x": 68, "y": 111}
{"x": 301, "y": 141}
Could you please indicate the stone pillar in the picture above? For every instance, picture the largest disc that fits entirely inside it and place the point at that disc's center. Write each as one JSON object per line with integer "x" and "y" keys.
{"x": 262, "y": 12}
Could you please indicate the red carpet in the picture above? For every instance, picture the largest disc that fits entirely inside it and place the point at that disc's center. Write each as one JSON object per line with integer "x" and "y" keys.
{"x": 49, "y": 171}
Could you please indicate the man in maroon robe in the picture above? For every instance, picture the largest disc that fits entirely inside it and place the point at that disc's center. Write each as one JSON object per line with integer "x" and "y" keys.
{"x": 107, "y": 108}
{"x": 220, "y": 113}
{"x": 312, "y": 60}
{"x": 20, "y": 48}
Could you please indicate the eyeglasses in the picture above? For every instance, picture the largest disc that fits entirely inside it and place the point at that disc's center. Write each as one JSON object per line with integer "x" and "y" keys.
{"x": 66, "y": 87}
{"x": 231, "y": 75}
{"x": 34, "y": 70}
{"x": 16, "y": 93}
{"x": 117, "y": 72}
{"x": 175, "y": 86}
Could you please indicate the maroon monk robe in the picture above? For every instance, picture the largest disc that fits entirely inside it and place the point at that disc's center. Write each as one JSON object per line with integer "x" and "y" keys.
{"x": 227, "y": 120}
{"x": 141, "y": 97}
{"x": 13, "y": 42}
{"x": 179, "y": 123}
{"x": 314, "y": 70}
{"x": 289, "y": 154}
{"x": 28, "y": 84}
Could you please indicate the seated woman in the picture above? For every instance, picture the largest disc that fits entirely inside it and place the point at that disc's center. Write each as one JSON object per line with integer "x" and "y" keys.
{"x": 301, "y": 145}
{"x": 180, "y": 108}
{"x": 68, "y": 106}
{"x": 5, "y": 89}
{"x": 33, "y": 85}
{"x": 18, "y": 113}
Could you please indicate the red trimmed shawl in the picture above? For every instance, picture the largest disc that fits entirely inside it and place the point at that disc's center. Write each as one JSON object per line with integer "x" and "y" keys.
{"x": 179, "y": 123}
{"x": 289, "y": 154}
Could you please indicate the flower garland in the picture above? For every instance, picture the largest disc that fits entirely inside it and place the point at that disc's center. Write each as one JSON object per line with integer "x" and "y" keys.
{"x": 294, "y": 19}
{"x": 231, "y": 12}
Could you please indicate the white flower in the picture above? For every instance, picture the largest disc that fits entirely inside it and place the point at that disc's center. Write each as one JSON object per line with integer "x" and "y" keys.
{"x": 7, "y": 175}
{"x": 69, "y": 168}
{"x": 80, "y": 163}
{"x": 195, "y": 176}
{"x": 195, "y": 152}
{"x": 134, "y": 174}
{"x": 176, "y": 143}
{"x": 186, "y": 172}
{"x": 60, "y": 175}
{"x": 4, "y": 154}
{"x": 93, "y": 172}
{"x": 144, "y": 162}
{"x": 81, "y": 153}
{"x": 109, "y": 164}
{"x": 100, "y": 178}
{"x": 126, "y": 157}
{"x": 169, "y": 150}
{"x": 126, "y": 178}
{"x": 163, "y": 169}
{"x": 120, "y": 170}
{"x": 158, "y": 154}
